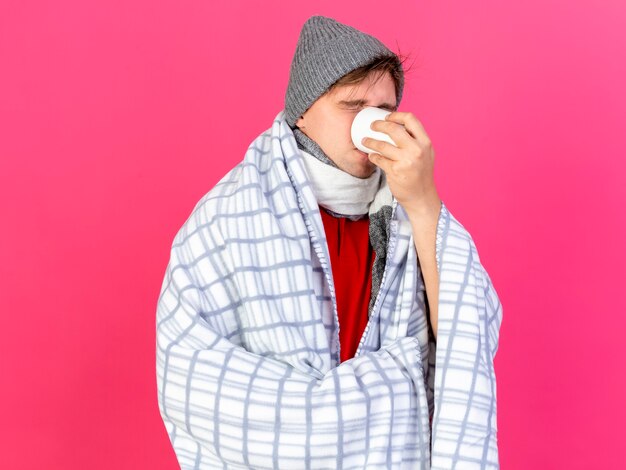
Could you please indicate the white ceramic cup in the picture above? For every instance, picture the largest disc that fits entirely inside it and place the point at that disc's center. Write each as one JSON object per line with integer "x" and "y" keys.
{"x": 361, "y": 127}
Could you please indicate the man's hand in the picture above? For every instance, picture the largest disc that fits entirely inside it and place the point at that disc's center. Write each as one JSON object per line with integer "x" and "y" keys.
{"x": 409, "y": 172}
{"x": 409, "y": 166}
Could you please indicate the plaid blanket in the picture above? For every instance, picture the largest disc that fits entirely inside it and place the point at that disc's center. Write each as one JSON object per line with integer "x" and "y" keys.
{"x": 247, "y": 343}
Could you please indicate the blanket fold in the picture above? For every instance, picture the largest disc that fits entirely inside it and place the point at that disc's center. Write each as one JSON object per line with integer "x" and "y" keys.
{"x": 248, "y": 369}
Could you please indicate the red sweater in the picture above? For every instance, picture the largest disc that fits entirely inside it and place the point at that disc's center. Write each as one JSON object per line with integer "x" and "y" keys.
{"x": 351, "y": 259}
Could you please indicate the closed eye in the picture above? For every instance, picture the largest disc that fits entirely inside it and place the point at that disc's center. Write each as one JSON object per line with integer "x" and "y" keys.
{"x": 358, "y": 105}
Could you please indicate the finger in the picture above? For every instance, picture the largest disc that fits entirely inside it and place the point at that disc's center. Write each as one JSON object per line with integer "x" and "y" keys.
{"x": 412, "y": 125}
{"x": 396, "y": 131}
{"x": 384, "y": 148}
{"x": 380, "y": 161}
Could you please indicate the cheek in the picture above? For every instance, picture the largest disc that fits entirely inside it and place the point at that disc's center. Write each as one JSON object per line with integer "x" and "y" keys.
{"x": 343, "y": 134}
{"x": 334, "y": 130}
{"x": 347, "y": 126}
{"x": 337, "y": 130}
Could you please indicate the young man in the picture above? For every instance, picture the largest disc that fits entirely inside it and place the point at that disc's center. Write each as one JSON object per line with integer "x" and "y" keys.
{"x": 322, "y": 308}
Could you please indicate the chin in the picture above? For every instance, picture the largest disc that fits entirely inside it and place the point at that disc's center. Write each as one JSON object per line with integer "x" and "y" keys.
{"x": 363, "y": 172}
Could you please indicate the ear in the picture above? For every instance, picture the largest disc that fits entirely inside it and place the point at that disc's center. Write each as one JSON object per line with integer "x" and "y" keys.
{"x": 300, "y": 122}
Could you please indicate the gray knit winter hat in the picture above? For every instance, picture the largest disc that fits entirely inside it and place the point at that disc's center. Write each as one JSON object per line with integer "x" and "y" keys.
{"x": 326, "y": 51}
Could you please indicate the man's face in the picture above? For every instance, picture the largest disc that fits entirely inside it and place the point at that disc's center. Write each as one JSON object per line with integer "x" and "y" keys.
{"x": 329, "y": 119}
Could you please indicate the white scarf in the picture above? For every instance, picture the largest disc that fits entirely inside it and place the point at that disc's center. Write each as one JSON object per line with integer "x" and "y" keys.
{"x": 339, "y": 191}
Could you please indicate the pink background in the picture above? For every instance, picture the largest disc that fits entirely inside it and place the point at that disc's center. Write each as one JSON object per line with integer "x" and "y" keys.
{"x": 117, "y": 116}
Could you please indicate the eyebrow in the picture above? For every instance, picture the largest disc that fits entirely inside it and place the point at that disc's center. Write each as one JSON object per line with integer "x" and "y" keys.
{"x": 364, "y": 102}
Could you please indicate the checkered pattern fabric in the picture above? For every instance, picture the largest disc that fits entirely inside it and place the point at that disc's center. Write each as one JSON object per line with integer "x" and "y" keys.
{"x": 248, "y": 368}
